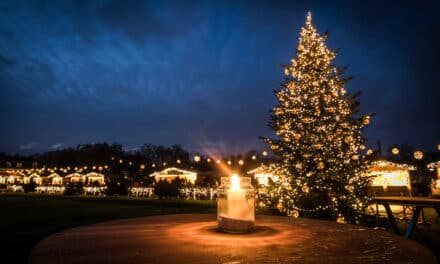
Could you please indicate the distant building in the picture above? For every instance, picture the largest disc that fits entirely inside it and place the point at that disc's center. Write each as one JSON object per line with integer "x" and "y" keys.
{"x": 262, "y": 174}
{"x": 34, "y": 177}
{"x": 55, "y": 179}
{"x": 390, "y": 179}
{"x": 172, "y": 173}
{"x": 75, "y": 177}
{"x": 95, "y": 178}
{"x": 435, "y": 166}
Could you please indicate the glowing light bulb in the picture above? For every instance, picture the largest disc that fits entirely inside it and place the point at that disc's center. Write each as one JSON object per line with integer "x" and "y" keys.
{"x": 418, "y": 155}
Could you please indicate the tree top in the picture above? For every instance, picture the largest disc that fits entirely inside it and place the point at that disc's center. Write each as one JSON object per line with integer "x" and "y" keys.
{"x": 309, "y": 17}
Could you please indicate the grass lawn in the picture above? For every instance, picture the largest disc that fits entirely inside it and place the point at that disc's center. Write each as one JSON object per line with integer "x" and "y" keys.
{"x": 26, "y": 219}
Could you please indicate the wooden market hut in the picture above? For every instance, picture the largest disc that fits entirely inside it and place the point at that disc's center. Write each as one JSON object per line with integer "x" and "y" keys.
{"x": 75, "y": 177}
{"x": 389, "y": 179}
{"x": 172, "y": 173}
{"x": 435, "y": 166}
{"x": 55, "y": 179}
{"x": 94, "y": 177}
{"x": 262, "y": 174}
{"x": 34, "y": 177}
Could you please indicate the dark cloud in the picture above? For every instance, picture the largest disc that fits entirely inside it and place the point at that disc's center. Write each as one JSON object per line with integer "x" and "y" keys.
{"x": 6, "y": 62}
{"x": 201, "y": 73}
{"x": 136, "y": 20}
{"x": 149, "y": 20}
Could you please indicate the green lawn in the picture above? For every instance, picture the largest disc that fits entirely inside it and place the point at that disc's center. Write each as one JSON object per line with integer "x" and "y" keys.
{"x": 26, "y": 219}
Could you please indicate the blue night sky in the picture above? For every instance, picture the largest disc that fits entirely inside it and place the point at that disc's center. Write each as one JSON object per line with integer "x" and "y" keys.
{"x": 201, "y": 74}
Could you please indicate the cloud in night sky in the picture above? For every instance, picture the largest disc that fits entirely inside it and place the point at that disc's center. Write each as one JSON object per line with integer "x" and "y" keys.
{"x": 57, "y": 145}
{"x": 28, "y": 146}
{"x": 201, "y": 73}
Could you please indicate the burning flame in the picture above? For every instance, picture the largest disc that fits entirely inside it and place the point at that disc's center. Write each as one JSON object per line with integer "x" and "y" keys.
{"x": 235, "y": 182}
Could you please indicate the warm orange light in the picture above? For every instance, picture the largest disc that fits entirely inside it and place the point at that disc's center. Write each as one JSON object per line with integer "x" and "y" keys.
{"x": 395, "y": 151}
{"x": 418, "y": 155}
{"x": 235, "y": 182}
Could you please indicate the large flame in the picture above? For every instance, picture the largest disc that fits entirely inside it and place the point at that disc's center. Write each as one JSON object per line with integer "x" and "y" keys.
{"x": 235, "y": 182}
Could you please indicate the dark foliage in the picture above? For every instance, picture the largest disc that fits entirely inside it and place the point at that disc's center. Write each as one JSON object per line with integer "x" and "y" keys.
{"x": 74, "y": 188}
{"x": 30, "y": 187}
{"x": 164, "y": 189}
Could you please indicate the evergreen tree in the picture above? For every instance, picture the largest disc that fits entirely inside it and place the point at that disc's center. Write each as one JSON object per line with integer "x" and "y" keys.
{"x": 319, "y": 136}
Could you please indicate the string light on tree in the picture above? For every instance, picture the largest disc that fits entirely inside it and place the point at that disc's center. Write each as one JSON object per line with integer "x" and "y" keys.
{"x": 319, "y": 135}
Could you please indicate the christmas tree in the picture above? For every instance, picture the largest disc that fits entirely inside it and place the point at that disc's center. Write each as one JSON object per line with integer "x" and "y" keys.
{"x": 319, "y": 141}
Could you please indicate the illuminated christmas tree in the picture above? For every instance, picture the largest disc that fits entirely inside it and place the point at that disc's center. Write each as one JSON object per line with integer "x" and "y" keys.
{"x": 319, "y": 139}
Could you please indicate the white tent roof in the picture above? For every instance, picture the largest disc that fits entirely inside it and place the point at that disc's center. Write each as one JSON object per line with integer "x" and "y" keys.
{"x": 173, "y": 171}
